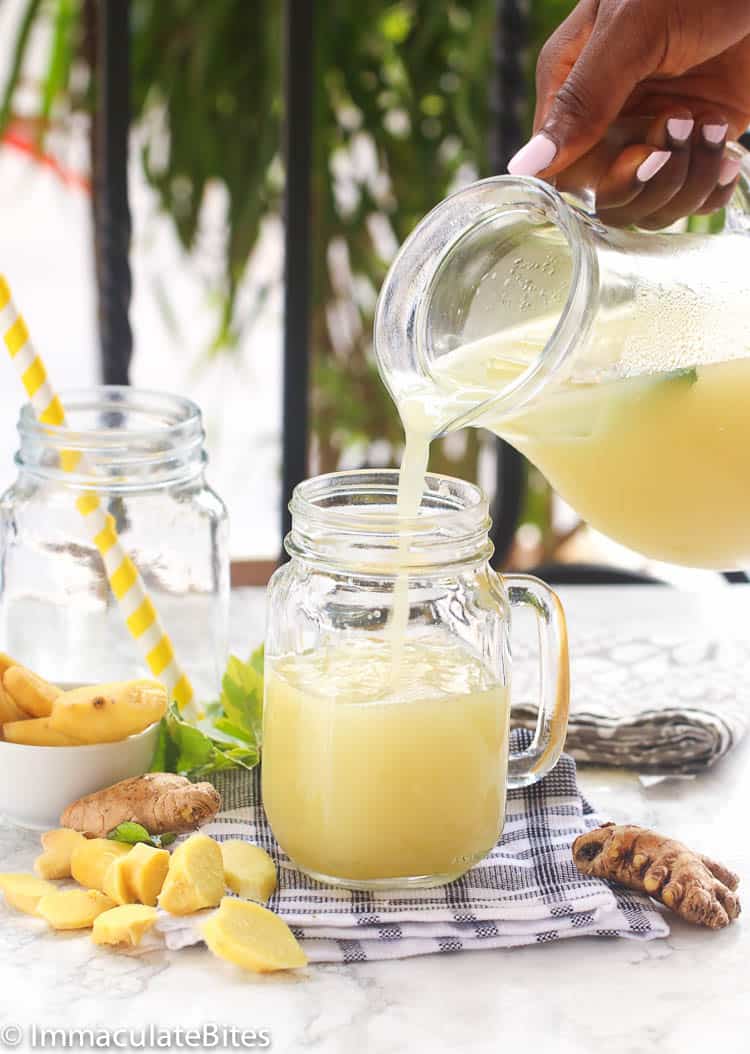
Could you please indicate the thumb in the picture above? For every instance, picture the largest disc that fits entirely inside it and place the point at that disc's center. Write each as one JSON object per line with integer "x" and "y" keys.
{"x": 577, "y": 115}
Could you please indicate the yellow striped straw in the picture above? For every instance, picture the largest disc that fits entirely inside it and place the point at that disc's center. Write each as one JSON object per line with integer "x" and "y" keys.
{"x": 141, "y": 617}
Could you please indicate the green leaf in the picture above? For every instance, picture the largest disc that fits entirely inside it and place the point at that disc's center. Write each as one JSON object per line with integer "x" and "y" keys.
{"x": 131, "y": 833}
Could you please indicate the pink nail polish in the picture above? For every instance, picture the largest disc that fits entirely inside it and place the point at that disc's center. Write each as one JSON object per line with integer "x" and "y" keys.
{"x": 654, "y": 163}
{"x": 729, "y": 170}
{"x": 680, "y": 128}
{"x": 538, "y": 153}
{"x": 715, "y": 133}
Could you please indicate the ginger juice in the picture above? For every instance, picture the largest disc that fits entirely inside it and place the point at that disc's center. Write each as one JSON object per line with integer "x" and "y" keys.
{"x": 376, "y": 778}
{"x": 658, "y": 461}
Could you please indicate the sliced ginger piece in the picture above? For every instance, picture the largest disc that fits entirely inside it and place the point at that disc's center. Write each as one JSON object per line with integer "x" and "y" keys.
{"x": 31, "y": 692}
{"x": 195, "y": 878}
{"x": 73, "y": 909}
{"x": 91, "y": 859}
{"x": 145, "y": 870}
{"x": 116, "y": 884}
{"x": 10, "y": 712}
{"x": 252, "y": 937}
{"x": 5, "y": 663}
{"x": 106, "y": 713}
{"x": 37, "y": 732}
{"x": 23, "y": 891}
{"x": 248, "y": 870}
{"x": 58, "y": 848}
{"x": 124, "y": 925}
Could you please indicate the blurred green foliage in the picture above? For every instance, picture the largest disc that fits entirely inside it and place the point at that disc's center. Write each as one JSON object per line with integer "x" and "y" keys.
{"x": 401, "y": 116}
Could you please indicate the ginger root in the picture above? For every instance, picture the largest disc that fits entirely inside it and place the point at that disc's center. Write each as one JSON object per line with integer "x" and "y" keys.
{"x": 248, "y": 870}
{"x": 698, "y": 889}
{"x": 160, "y": 801}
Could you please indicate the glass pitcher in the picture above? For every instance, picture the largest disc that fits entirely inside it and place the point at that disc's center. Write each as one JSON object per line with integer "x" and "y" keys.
{"x": 377, "y": 777}
{"x": 618, "y": 361}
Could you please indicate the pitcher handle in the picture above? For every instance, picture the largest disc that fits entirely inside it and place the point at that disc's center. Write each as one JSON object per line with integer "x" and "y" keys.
{"x": 529, "y": 766}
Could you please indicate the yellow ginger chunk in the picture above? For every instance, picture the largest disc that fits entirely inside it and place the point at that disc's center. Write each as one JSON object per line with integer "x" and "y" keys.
{"x": 58, "y": 848}
{"x": 145, "y": 871}
{"x": 10, "y": 712}
{"x": 106, "y": 713}
{"x": 252, "y": 937}
{"x": 91, "y": 859}
{"x": 195, "y": 878}
{"x": 116, "y": 883}
{"x": 248, "y": 870}
{"x": 5, "y": 663}
{"x": 37, "y": 732}
{"x": 32, "y": 693}
{"x": 124, "y": 925}
{"x": 73, "y": 909}
{"x": 23, "y": 892}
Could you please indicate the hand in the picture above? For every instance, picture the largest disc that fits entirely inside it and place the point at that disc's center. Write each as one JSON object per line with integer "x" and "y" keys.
{"x": 636, "y": 99}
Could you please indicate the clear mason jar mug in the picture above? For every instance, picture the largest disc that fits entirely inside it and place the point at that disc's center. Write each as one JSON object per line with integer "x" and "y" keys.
{"x": 141, "y": 455}
{"x": 385, "y": 753}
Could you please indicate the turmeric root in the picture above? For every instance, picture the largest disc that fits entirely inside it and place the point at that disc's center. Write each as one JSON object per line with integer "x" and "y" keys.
{"x": 29, "y": 691}
{"x": 698, "y": 889}
{"x": 160, "y": 801}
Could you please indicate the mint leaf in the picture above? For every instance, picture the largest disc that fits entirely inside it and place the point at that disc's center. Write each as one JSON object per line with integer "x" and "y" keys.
{"x": 131, "y": 833}
{"x": 237, "y": 717}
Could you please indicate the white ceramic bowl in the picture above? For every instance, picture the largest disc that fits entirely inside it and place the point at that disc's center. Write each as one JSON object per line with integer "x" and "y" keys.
{"x": 37, "y": 783}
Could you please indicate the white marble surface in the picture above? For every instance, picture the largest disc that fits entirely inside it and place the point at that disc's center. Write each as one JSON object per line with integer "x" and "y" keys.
{"x": 687, "y": 994}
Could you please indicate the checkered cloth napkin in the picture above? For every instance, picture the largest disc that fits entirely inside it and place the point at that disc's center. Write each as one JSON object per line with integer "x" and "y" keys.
{"x": 527, "y": 891}
{"x": 654, "y": 702}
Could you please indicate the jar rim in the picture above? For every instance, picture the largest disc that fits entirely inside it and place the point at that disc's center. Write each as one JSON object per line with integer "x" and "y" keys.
{"x": 350, "y": 517}
{"x": 170, "y": 411}
{"x": 116, "y": 437}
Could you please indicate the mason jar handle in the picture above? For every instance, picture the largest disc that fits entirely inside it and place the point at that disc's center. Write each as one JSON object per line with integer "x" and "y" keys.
{"x": 530, "y": 765}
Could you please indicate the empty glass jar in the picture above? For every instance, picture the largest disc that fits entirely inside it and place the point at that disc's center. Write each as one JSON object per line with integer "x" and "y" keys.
{"x": 137, "y": 457}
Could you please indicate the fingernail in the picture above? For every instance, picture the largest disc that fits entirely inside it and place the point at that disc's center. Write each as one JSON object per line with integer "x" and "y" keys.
{"x": 654, "y": 163}
{"x": 729, "y": 170}
{"x": 715, "y": 133}
{"x": 538, "y": 153}
{"x": 680, "y": 128}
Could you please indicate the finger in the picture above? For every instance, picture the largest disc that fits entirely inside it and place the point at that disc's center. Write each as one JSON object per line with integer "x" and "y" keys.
{"x": 589, "y": 99}
{"x": 722, "y": 195}
{"x": 560, "y": 54}
{"x": 628, "y": 176}
{"x": 633, "y": 172}
{"x": 706, "y": 157}
{"x": 661, "y": 176}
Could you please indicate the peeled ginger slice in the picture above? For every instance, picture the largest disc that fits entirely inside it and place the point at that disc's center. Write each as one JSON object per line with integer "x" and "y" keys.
{"x": 23, "y": 892}
{"x": 252, "y": 937}
{"x": 124, "y": 925}
{"x": 248, "y": 870}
